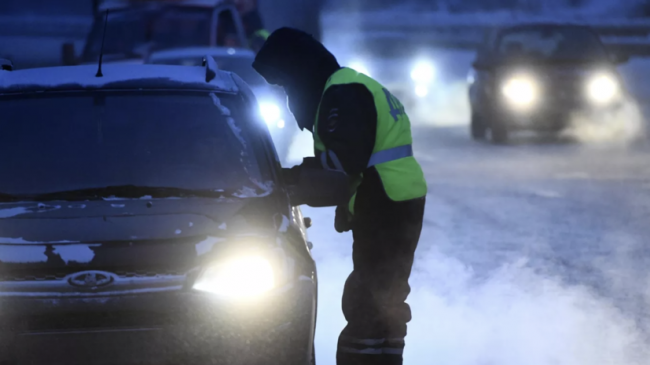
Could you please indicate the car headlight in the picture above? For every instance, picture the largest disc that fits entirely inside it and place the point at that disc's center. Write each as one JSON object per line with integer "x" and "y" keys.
{"x": 240, "y": 277}
{"x": 272, "y": 114}
{"x": 423, "y": 72}
{"x": 421, "y": 91}
{"x": 521, "y": 91}
{"x": 603, "y": 88}
{"x": 360, "y": 67}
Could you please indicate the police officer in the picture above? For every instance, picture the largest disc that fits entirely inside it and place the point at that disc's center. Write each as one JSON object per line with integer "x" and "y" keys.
{"x": 359, "y": 127}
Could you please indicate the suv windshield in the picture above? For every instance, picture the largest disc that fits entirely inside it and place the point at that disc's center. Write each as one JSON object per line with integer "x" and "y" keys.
{"x": 92, "y": 140}
{"x": 551, "y": 43}
{"x": 133, "y": 33}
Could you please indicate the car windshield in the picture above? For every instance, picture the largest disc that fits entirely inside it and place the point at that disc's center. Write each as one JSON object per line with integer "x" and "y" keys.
{"x": 557, "y": 43}
{"x": 179, "y": 140}
{"x": 135, "y": 32}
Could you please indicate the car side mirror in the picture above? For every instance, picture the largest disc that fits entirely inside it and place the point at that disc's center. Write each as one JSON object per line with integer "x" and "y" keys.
{"x": 319, "y": 188}
{"x": 68, "y": 54}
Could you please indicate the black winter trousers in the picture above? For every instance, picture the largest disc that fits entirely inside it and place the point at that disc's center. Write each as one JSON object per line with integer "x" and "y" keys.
{"x": 386, "y": 235}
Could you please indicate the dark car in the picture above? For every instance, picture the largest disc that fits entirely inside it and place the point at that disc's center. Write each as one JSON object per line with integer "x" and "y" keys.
{"x": 272, "y": 99}
{"x": 144, "y": 220}
{"x": 535, "y": 76}
{"x": 138, "y": 28}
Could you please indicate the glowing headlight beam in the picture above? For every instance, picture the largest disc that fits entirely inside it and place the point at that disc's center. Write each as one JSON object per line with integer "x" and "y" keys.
{"x": 423, "y": 72}
{"x": 603, "y": 88}
{"x": 270, "y": 112}
{"x": 241, "y": 278}
{"x": 421, "y": 91}
{"x": 360, "y": 67}
{"x": 521, "y": 91}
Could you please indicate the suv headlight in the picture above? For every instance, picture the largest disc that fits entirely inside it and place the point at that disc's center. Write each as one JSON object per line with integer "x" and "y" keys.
{"x": 603, "y": 88}
{"x": 521, "y": 91}
{"x": 423, "y": 72}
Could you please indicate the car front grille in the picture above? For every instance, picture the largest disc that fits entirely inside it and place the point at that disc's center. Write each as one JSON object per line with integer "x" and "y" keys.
{"x": 46, "y": 275}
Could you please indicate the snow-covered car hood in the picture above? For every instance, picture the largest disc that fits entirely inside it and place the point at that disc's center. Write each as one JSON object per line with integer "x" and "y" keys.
{"x": 126, "y": 232}
{"x": 112, "y": 220}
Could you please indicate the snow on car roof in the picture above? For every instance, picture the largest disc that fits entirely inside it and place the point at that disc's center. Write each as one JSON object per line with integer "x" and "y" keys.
{"x": 115, "y": 4}
{"x": 201, "y": 51}
{"x": 123, "y": 76}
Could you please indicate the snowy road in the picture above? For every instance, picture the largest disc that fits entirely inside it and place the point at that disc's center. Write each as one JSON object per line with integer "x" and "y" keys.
{"x": 532, "y": 253}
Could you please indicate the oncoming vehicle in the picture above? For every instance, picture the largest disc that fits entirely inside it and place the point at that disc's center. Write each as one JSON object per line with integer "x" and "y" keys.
{"x": 272, "y": 99}
{"x": 536, "y": 76}
{"x": 144, "y": 221}
{"x": 138, "y": 28}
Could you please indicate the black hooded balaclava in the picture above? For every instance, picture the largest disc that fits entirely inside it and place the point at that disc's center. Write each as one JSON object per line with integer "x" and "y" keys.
{"x": 300, "y": 64}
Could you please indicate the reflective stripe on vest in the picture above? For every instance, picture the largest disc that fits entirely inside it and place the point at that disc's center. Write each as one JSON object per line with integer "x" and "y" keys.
{"x": 390, "y": 154}
{"x": 335, "y": 160}
{"x": 392, "y": 157}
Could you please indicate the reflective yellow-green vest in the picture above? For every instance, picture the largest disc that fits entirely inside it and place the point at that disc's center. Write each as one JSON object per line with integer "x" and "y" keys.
{"x": 392, "y": 156}
{"x": 262, "y": 33}
{"x": 258, "y": 38}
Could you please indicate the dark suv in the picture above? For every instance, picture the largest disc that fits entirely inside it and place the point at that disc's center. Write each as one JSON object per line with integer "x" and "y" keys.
{"x": 144, "y": 220}
{"x": 536, "y": 76}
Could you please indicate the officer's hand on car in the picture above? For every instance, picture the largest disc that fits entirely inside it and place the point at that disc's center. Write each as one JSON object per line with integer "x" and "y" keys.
{"x": 291, "y": 176}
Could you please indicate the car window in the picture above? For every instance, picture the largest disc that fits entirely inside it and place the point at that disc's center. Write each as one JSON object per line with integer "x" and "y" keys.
{"x": 126, "y": 36}
{"x": 227, "y": 34}
{"x": 134, "y": 33}
{"x": 103, "y": 139}
{"x": 550, "y": 43}
{"x": 182, "y": 27}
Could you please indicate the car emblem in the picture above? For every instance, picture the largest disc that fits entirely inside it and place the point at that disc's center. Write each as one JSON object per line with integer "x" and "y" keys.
{"x": 91, "y": 279}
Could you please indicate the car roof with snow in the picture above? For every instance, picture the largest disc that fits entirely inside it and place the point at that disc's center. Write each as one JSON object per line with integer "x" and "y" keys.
{"x": 523, "y": 25}
{"x": 119, "y": 76}
{"x": 121, "y": 4}
{"x": 219, "y": 52}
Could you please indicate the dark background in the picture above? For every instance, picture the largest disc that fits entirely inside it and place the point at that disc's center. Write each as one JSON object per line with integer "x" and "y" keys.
{"x": 84, "y": 7}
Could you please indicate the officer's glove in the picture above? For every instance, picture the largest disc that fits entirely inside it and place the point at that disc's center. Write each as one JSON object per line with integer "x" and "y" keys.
{"x": 342, "y": 221}
{"x": 291, "y": 176}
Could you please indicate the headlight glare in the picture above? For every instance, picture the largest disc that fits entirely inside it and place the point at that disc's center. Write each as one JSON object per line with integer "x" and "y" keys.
{"x": 521, "y": 91}
{"x": 421, "y": 91}
{"x": 423, "y": 72}
{"x": 603, "y": 88}
{"x": 360, "y": 67}
{"x": 242, "y": 277}
{"x": 270, "y": 112}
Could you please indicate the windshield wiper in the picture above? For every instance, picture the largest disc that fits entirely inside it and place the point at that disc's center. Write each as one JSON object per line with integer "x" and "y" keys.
{"x": 127, "y": 191}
